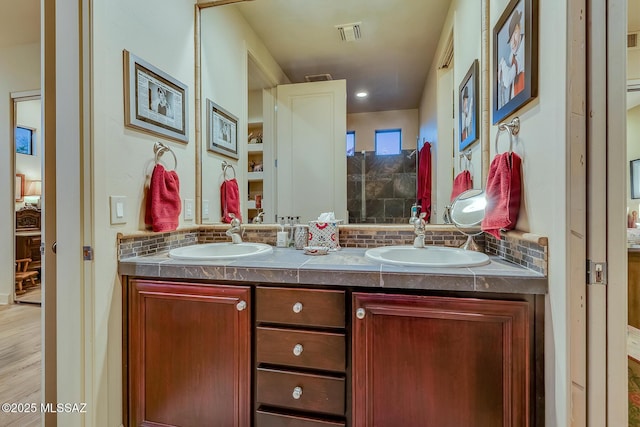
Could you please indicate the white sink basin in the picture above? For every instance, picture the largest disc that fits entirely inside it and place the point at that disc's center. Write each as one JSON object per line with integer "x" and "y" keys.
{"x": 215, "y": 251}
{"x": 430, "y": 256}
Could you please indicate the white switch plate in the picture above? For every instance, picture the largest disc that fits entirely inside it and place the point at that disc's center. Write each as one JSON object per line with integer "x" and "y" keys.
{"x": 205, "y": 209}
{"x": 188, "y": 209}
{"x": 118, "y": 209}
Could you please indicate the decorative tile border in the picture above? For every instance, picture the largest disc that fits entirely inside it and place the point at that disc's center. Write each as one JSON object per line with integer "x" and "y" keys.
{"x": 149, "y": 243}
{"x": 524, "y": 249}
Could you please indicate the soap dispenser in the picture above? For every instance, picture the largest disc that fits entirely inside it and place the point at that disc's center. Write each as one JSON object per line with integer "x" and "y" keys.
{"x": 282, "y": 236}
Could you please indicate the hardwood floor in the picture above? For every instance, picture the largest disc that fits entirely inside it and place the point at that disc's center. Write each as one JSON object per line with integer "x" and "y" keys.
{"x": 20, "y": 362}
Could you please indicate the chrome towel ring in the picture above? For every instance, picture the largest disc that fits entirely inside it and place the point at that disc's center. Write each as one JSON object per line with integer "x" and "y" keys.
{"x": 159, "y": 149}
{"x": 226, "y": 165}
{"x": 512, "y": 128}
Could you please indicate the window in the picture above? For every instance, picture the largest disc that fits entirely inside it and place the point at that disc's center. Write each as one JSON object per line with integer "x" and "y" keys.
{"x": 351, "y": 143}
{"x": 388, "y": 142}
{"x": 24, "y": 140}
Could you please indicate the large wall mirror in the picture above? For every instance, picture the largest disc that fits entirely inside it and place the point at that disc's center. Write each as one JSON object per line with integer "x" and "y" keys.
{"x": 290, "y": 74}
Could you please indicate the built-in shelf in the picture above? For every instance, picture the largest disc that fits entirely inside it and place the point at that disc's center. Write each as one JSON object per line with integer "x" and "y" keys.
{"x": 255, "y": 148}
{"x": 255, "y": 176}
{"x": 251, "y": 204}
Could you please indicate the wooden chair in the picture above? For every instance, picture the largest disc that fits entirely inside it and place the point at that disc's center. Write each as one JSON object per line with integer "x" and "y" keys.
{"x": 23, "y": 274}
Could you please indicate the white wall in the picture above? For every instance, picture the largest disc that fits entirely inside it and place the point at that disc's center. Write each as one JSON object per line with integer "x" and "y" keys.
{"x": 225, "y": 34}
{"x": 162, "y": 33}
{"x": 366, "y": 124}
{"x": 19, "y": 71}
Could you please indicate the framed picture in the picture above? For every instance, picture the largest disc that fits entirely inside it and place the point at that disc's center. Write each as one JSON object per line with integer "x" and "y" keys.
{"x": 515, "y": 58}
{"x": 155, "y": 102}
{"x": 635, "y": 178}
{"x": 19, "y": 189}
{"x": 468, "y": 107}
{"x": 24, "y": 140}
{"x": 222, "y": 130}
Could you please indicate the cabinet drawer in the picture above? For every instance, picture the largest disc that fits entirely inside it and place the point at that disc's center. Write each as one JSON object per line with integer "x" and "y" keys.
{"x": 268, "y": 419}
{"x": 306, "y": 307}
{"x": 318, "y": 393}
{"x": 306, "y": 349}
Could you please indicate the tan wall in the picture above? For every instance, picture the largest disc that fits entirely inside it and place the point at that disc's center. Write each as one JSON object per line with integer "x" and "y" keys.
{"x": 366, "y": 124}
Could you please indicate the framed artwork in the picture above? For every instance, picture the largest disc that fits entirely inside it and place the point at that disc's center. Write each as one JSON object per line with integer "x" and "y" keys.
{"x": 19, "y": 188}
{"x": 515, "y": 58}
{"x": 468, "y": 107}
{"x": 222, "y": 130}
{"x": 24, "y": 140}
{"x": 155, "y": 102}
{"x": 635, "y": 178}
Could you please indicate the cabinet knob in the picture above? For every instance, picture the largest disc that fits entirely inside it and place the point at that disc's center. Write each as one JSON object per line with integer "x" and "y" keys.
{"x": 297, "y": 392}
{"x": 360, "y": 313}
{"x": 297, "y": 307}
{"x": 297, "y": 349}
{"x": 241, "y": 305}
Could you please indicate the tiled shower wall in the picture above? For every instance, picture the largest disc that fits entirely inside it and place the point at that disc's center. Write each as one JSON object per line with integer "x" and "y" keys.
{"x": 387, "y": 184}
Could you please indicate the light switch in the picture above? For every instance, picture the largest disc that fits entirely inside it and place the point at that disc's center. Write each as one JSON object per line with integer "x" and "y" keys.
{"x": 119, "y": 210}
{"x": 118, "y": 205}
{"x": 205, "y": 209}
{"x": 188, "y": 209}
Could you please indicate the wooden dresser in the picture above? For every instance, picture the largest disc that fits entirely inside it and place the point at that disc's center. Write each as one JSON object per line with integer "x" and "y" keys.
{"x": 28, "y": 236}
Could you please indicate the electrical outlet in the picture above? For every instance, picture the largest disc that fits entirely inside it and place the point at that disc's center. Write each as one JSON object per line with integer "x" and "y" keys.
{"x": 188, "y": 209}
{"x": 205, "y": 209}
{"x": 118, "y": 205}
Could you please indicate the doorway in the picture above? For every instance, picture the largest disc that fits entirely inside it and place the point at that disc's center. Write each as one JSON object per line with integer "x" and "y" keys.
{"x": 28, "y": 149}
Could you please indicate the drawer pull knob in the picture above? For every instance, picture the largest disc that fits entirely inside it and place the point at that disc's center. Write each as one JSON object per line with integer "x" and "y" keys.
{"x": 297, "y": 307}
{"x": 297, "y": 349}
{"x": 360, "y": 313}
{"x": 241, "y": 305}
{"x": 297, "y": 392}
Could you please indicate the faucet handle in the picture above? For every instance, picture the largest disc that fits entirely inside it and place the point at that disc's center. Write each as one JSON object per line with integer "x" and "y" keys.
{"x": 235, "y": 221}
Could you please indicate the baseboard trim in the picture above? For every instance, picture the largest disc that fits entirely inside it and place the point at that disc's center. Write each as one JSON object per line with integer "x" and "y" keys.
{"x": 6, "y": 299}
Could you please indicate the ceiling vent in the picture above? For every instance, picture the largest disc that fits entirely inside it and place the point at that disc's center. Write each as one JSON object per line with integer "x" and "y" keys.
{"x": 318, "y": 77}
{"x": 349, "y": 32}
{"x": 633, "y": 40}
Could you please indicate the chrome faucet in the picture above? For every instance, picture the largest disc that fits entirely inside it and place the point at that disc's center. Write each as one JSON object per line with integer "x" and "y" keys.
{"x": 258, "y": 218}
{"x": 415, "y": 208}
{"x": 235, "y": 232}
{"x": 418, "y": 228}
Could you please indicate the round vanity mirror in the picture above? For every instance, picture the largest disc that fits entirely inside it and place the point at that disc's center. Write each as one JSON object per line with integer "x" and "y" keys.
{"x": 466, "y": 213}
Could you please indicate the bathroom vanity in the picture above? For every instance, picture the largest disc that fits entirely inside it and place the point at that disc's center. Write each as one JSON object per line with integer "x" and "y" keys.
{"x": 286, "y": 339}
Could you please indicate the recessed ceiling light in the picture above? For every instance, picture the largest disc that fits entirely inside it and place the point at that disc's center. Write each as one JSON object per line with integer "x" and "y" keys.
{"x": 362, "y": 94}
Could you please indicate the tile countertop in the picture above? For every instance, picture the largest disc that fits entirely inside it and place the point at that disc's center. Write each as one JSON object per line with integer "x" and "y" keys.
{"x": 346, "y": 267}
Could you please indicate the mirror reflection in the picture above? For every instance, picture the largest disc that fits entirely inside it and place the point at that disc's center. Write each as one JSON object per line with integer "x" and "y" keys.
{"x": 327, "y": 149}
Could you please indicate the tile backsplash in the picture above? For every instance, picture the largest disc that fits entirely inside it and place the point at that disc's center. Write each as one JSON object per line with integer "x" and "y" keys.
{"x": 525, "y": 249}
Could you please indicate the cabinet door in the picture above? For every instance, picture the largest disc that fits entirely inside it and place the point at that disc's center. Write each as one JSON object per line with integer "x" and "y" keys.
{"x": 189, "y": 354}
{"x": 435, "y": 361}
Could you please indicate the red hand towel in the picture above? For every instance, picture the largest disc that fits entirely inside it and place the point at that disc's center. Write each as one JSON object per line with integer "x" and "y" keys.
{"x": 461, "y": 183}
{"x": 424, "y": 180}
{"x": 163, "y": 205}
{"x": 230, "y": 200}
{"x": 503, "y": 194}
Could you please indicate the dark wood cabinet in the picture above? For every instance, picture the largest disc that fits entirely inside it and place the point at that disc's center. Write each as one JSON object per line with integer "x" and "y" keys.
{"x": 300, "y": 357}
{"x": 28, "y": 246}
{"x": 439, "y": 361}
{"x": 188, "y": 354}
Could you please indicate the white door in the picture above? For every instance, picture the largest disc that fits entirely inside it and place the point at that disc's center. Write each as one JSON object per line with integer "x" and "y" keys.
{"x": 311, "y": 127}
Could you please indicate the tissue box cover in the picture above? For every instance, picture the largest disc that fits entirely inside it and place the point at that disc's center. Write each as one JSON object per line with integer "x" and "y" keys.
{"x": 324, "y": 234}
